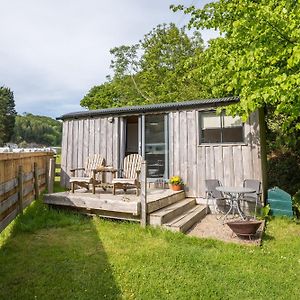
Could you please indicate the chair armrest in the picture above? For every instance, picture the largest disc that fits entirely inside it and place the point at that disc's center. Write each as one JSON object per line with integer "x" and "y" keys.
{"x": 259, "y": 196}
{"x": 104, "y": 169}
{"x": 75, "y": 169}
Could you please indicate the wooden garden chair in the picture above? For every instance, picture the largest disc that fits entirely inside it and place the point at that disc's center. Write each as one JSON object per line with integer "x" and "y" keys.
{"x": 93, "y": 162}
{"x": 131, "y": 172}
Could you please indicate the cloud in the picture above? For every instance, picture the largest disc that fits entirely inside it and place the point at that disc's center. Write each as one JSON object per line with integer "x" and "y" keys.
{"x": 54, "y": 51}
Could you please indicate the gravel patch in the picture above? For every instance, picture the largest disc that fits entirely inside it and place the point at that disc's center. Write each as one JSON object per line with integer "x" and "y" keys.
{"x": 211, "y": 227}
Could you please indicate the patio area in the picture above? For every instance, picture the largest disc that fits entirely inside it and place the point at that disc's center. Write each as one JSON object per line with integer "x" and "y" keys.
{"x": 212, "y": 227}
{"x": 166, "y": 208}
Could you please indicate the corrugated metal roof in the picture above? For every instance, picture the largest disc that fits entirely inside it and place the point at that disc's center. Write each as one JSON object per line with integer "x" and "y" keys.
{"x": 127, "y": 110}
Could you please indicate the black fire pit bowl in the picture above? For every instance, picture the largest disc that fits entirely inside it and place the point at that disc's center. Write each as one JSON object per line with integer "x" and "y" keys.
{"x": 244, "y": 227}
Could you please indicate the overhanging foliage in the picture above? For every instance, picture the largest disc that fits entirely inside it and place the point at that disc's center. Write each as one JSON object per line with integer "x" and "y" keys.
{"x": 257, "y": 57}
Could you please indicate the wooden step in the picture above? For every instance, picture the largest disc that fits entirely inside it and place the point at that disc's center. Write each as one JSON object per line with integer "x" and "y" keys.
{"x": 188, "y": 219}
{"x": 166, "y": 214}
{"x": 172, "y": 197}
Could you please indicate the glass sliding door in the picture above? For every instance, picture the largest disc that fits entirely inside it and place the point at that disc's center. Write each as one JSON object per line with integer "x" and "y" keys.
{"x": 156, "y": 146}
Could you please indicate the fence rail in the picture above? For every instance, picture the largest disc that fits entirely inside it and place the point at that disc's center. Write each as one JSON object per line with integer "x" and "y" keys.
{"x": 22, "y": 177}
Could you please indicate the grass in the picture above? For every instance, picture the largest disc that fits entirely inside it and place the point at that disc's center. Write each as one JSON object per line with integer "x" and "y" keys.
{"x": 49, "y": 254}
{"x": 57, "y": 170}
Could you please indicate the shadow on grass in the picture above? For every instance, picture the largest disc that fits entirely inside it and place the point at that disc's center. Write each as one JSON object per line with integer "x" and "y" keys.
{"x": 51, "y": 254}
{"x": 267, "y": 237}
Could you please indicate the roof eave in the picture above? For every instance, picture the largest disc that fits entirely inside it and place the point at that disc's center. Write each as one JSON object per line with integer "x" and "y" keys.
{"x": 171, "y": 106}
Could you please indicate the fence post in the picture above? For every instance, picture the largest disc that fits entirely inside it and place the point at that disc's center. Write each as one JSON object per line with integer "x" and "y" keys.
{"x": 20, "y": 189}
{"x": 51, "y": 175}
{"x": 36, "y": 181}
{"x": 144, "y": 209}
{"x": 47, "y": 171}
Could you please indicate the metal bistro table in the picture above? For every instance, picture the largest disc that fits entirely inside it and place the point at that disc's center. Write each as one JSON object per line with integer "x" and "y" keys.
{"x": 235, "y": 195}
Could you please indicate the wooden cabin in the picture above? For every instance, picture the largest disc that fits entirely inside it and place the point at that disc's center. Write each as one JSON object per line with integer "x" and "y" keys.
{"x": 182, "y": 138}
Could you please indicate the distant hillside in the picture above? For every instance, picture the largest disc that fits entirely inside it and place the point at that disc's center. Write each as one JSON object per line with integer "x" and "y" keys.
{"x": 39, "y": 130}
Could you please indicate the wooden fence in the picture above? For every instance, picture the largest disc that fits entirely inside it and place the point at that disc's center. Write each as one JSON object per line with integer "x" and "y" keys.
{"x": 22, "y": 177}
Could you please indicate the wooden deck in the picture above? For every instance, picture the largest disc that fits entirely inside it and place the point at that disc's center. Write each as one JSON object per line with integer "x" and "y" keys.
{"x": 120, "y": 206}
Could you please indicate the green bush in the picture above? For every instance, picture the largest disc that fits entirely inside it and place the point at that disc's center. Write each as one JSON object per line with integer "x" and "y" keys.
{"x": 296, "y": 204}
{"x": 284, "y": 171}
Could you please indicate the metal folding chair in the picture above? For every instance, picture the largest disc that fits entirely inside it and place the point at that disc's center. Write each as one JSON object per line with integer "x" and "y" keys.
{"x": 253, "y": 197}
{"x": 213, "y": 194}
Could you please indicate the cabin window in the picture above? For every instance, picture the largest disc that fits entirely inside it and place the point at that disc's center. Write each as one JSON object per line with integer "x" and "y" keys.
{"x": 220, "y": 128}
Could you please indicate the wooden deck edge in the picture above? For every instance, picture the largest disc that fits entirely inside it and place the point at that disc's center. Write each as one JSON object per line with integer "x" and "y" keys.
{"x": 92, "y": 203}
{"x": 165, "y": 201}
{"x": 100, "y": 213}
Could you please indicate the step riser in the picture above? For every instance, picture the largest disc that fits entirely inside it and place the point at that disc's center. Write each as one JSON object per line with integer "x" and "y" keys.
{"x": 166, "y": 201}
{"x": 160, "y": 220}
{"x": 194, "y": 220}
{"x": 187, "y": 225}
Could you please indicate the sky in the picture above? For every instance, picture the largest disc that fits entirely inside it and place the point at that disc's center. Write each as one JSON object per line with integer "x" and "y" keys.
{"x": 53, "y": 51}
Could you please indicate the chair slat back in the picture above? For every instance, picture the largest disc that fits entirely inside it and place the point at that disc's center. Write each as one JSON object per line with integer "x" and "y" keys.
{"x": 211, "y": 185}
{"x": 253, "y": 184}
{"x": 93, "y": 162}
{"x": 132, "y": 164}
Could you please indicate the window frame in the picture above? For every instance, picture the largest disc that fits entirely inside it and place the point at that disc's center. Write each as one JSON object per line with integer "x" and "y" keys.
{"x": 222, "y": 115}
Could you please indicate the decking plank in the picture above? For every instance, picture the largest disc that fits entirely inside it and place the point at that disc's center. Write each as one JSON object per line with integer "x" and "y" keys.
{"x": 127, "y": 203}
{"x": 87, "y": 201}
{"x": 155, "y": 203}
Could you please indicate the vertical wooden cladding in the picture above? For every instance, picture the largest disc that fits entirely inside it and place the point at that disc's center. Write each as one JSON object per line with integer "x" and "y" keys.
{"x": 194, "y": 162}
{"x": 192, "y": 152}
{"x": 235, "y": 162}
{"x": 230, "y": 163}
{"x": 64, "y": 151}
{"x": 85, "y": 137}
{"x": 183, "y": 148}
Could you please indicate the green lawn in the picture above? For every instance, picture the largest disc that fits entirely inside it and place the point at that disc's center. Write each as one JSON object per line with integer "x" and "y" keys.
{"x": 57, "y": 161}
{"x": 47, "y": 254}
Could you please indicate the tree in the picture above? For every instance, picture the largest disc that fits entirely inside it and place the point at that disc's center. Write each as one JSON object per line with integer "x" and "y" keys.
{"x": 257, "y": 57}
{"x": 114, "y": 93}
{"x": 154, "y": 70}
{"x": 7, "y": 115}
{"x": 39, "y": 130}
{"x": 165, "y": 64}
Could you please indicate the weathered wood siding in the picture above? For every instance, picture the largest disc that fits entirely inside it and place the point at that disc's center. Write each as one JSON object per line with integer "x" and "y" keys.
{"x": 194, "y": 162}
{"x": 84, "y": 137}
